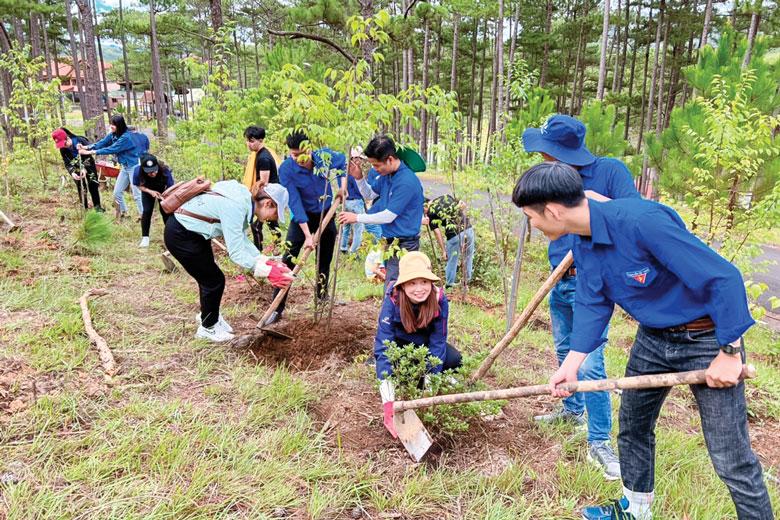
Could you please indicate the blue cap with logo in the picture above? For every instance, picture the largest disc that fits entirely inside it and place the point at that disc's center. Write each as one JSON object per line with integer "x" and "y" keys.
{"x": 562, "y": 137}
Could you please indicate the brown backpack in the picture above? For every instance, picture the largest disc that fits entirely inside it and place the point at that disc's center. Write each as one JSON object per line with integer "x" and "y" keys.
{"x": 183, "y": 191}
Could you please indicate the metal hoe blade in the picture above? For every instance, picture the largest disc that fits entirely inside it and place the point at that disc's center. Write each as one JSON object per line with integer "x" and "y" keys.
{"x": 412, "y": 434}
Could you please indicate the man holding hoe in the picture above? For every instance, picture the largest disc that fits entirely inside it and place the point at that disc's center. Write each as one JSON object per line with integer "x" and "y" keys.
{"x": 692, "y": 312}
{"x": 562, "y": 138}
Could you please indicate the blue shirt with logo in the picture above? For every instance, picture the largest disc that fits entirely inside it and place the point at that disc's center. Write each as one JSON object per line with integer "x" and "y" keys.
{"x": 606, "y": 176}
{"x": 641, "y": 256}
{"x": 434, "y": 336}
{"x": 307, "y": 187}
{"x": 402, "y": 193}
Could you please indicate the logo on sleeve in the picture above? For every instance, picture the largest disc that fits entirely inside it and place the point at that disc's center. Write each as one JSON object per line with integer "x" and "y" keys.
{"x": 386, "y": 320}
{"x": 640, "y": 275}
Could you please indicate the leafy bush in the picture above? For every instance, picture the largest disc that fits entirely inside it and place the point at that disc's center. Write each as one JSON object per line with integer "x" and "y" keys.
{"x": 411, "y": 366}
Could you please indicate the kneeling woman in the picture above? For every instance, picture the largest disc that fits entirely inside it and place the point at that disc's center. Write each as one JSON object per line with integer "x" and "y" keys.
{"x": 414, "y": 311}
{"x": 225, "y": 211}
{"x": 152, "y": 177}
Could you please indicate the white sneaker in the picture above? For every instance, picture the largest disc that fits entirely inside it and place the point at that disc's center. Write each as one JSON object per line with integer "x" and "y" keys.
{"x": 221, "y": 323}
{"x": 144, "y": 242}
{"x": 214, "y": 334}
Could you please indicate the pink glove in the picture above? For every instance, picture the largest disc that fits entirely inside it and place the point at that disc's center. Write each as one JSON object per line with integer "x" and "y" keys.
{"x": 389, "y": 417}
{"x": 280, "y": 275}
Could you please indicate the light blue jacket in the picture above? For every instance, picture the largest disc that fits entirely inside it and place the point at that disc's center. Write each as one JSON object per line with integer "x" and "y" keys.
{"x": 234, "y": 211}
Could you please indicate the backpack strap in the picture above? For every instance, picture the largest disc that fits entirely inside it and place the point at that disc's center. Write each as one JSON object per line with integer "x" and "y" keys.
{"x": 200, "y": 217}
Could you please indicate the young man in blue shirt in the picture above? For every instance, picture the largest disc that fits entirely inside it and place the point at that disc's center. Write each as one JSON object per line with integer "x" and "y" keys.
{"x": 399, "y": 209}
{"x": 692, "y": 312}
{"x": 306, "y": 175}
{"x": 562, "y": 138}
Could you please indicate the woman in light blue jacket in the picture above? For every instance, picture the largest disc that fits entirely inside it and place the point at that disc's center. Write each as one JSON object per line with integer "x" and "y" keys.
{"x": 225, "y": 211}
{"x": 119, "y": 143}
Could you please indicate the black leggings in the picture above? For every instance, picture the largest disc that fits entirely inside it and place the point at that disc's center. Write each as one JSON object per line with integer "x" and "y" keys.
{"x": 146, "y": 216}
{"x": 92, "y": 185}
{"x": 194, "y": 254}
{"x": 296, "y": 239}
{"x": 257, "y": 232}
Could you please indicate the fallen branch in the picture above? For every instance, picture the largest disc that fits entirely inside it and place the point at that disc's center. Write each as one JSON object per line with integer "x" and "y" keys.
{"x": 106, "y": 357}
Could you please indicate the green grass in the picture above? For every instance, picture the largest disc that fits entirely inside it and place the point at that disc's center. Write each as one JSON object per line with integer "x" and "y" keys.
{"x": 192, "y": 430}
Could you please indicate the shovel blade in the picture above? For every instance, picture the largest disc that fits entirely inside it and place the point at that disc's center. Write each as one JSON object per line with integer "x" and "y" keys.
{"x": 412, "y": 434}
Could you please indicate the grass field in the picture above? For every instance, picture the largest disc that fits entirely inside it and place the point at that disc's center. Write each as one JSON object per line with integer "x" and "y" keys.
{"x": 293, "y": 429}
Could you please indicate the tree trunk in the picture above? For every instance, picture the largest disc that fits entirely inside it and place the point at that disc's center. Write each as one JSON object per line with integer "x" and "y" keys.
{"x": 494, "y": 86}
{"x": 102, "y": 62}
{"x": 18, "y": 26}
{"x": 435, "y": 120}
{"x": 481, "y": 89}
{"x": 603, "y": 60}
{"x": 513, "y": 46}
{"x": 424, "y": 113}
{"x": 546, "y": 55}
{"x": 367, "y": 46}
{"x": 660, "y": 104}
{"x": 57, "y": 65}
{"x": 644, "y": 86}
{"x": 75, "y": 59}
{"x": 500, "y": 53}
{"x": 631, "y": 76}
{"x": 215, "y": 6}
{"x": 238, "y": 58}
{"x": 5, "y": 79}
{"x": 673, "y": 89}
{"x": 254, "y": 42}
{"x": 651, "y": 97}
{"x": 624, "y": 57}
{"x": 157, "y": 87}
{"x": 577, "y": 64}
{"x": 35, "y": 37}
{"x": 705, "y": 30}
{"x": 170, "y": 90}
{"x": 92, "y": 92}
{"x": 751, "y": 37}
{"x": 454, "y": 68}
{"x": 128, "y": 83}
{"x": 583, "y": 65}
{"x": 469, "y": 151}
{"x": 617, "y": 53}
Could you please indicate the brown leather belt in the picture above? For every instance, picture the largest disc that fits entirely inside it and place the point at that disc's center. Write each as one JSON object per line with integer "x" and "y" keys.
{"x": 704, "y": 323}
{"x": 572, "y": 271}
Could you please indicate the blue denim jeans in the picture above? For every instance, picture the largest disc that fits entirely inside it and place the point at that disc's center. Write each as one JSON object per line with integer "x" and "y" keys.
{"x": 124, "y": 178}
{"x": 723, "y": 413}
{"x": 597, "y": 404}
{"x": 465, "y": 240}
{"x": 355, "y": 206}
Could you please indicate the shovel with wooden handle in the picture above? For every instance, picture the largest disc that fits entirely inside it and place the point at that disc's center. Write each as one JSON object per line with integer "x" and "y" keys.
{"x": 415, "y": 438}
{"x": 300, "y": 263}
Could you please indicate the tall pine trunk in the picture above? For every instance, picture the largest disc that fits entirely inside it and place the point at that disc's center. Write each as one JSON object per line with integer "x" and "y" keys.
{"x": 102, "y": 63}
{"x": 128, "y": 83}
{"x": 631, "y": 74}
{"x": 603, "y": 59}
{"x": 157, "y": 88}
{"x": 482, "y": 90}
{"x": 577, "y": 63}
{"x": 75, "y": 63}
{"x": 424, "y": 114}
{"x": 751, "y": 37}
{"x": 661, "y": 76}
{"x": 513, "y": 46}
{"x": 644, "y": 85}
{"x": 92, "y": 92}
{"x": 500, "y": 55}
{"x": 469, "y": 151}
{"x": 546, "y": 54}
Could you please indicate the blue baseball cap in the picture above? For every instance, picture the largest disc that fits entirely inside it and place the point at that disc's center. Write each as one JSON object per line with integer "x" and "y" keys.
{"x": 279, "y": 195}
{"x": 562, "y": 137}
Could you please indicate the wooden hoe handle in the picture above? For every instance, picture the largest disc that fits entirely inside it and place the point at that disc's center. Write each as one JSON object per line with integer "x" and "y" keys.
{"x": 693, "y": 377}
{"x": 522, "y": 320}
{"x": 302, "y": 260}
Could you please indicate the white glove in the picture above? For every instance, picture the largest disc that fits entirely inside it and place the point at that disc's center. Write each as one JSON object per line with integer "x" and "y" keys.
{"x": 387, "y": 391}
{"x": 262, "y": 270}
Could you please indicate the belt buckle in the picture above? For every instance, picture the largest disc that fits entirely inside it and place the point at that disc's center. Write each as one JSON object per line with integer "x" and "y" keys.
{"x": 677, "y": 328}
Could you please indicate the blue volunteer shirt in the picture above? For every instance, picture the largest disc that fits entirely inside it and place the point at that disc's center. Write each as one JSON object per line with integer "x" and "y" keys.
{"x": 122, "y": 147}
{"x": 434, "y": 336}
{"x": 141, "y": 142}
{"x": 306, "y": 187}
{"x": 353, "y": 191}
{"x": 606, "y": 176}
{"x": 641, "y": 256}
{"x": 166, "y": 173}
{"x": 402, "y": 193}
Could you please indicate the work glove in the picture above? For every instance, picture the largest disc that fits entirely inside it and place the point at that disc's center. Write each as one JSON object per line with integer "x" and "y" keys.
{"x": 387, "y": 391}
{"x": 277, "y": 273}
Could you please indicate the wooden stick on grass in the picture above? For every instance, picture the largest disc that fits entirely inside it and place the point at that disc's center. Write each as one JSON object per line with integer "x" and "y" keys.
{"x": 524, "y": 317}
{"x": 106, "y": 357}
{"x": 8, "y": 221}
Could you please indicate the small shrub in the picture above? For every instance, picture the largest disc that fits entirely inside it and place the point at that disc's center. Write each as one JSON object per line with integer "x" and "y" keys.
{"x": 411, "y": 367}
{"x": 95, "y": 230}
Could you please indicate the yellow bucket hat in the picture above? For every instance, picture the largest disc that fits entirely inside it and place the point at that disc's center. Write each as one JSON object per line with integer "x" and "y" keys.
{"x": 415, "y": 265}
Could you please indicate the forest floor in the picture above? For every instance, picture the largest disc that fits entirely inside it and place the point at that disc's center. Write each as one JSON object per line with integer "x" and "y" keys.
{"x": 289, "y": 428}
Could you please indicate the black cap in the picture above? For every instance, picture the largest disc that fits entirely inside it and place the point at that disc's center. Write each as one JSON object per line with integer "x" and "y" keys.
{"x": 149, "y": 163}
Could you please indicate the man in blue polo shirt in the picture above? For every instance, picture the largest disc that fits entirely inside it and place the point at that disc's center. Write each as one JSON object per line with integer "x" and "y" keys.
{"x": 692, "y": 312}
{"x": 399, "y": 209}
{"x": 306, "y": 174}
{"x": 562, "y": 138}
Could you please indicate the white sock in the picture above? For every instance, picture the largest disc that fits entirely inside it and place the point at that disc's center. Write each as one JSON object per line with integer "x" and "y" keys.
{"x": 639, "y": 503}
